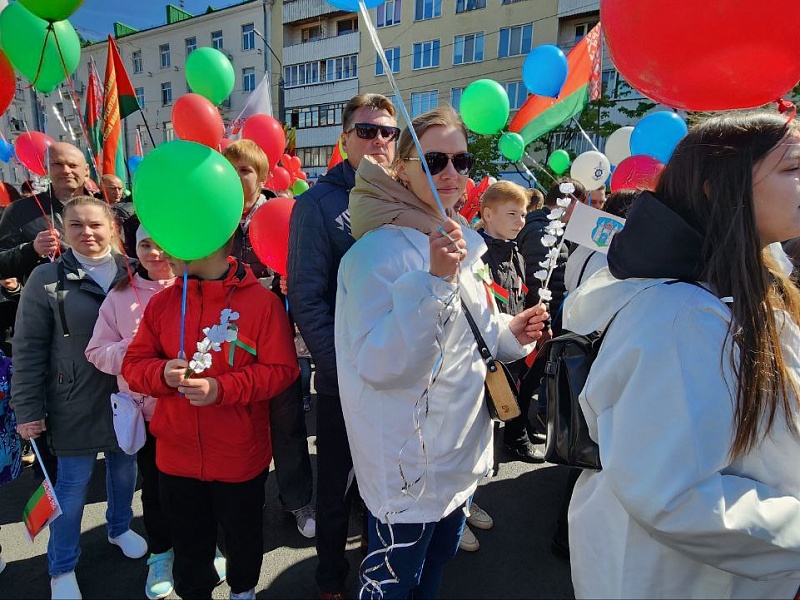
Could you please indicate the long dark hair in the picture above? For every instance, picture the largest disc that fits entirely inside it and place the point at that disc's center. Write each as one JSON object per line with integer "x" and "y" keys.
{"x": 709, "y": 182}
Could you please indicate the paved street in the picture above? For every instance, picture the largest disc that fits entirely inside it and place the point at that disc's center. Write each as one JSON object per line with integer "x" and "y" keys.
{"x": 514, "y": 560}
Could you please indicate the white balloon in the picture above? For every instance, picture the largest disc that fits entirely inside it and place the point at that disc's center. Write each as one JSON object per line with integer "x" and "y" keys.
{"x": 591, "y": 169}
{"x": 618, "y": 145}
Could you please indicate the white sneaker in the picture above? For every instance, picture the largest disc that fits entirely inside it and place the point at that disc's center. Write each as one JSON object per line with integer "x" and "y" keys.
{"x": 306, "y": 520}
{"x": 65, "y": 587}
{"x": 479, "y": 518}
{"x": 160, "y": 583}
{"x": 131, "y": 543}
{"x": 248, "y": 595}
{"x": 468, "y": 541}
{"x": 221, "y": 565}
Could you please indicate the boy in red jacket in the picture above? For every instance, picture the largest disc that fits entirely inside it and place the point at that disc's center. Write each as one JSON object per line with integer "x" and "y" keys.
{"x": 211, "y": 421}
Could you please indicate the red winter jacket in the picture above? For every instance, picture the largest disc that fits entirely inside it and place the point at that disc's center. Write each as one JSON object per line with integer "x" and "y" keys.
{"x": 228, "y": 441}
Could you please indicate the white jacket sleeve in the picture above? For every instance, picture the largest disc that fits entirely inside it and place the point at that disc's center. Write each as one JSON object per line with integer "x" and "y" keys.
{"x": 664, "y": 404}
{"x": 394, "y": 313}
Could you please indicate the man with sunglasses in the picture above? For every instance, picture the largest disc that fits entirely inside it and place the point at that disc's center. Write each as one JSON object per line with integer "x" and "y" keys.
{"x": 319, "y": 235}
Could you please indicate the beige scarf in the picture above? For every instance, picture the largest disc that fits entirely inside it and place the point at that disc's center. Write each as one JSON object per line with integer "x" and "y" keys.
{"x": 378, "y": 199}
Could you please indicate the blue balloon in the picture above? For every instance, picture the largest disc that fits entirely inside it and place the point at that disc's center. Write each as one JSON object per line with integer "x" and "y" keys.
{"x": 6, "y": 151}
{"x": 352, "y": 5}
{"x": 657, "y": 135}
{"x": 545, "y": 70}
{"x": 133, "y": 163}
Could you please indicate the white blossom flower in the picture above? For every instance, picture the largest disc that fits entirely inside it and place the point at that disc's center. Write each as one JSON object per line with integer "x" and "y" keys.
{"x": 553, "y": 253}
{"x": 564, "y": 202}
{"x": 566, "y": 188}
{"x": 201, "y": 361}
{"x": 545, "y": 295}
{"x": 555, "y": 228}
{"x": 548, "y": 241}
{"x": 228, "y": 315}
{"x": 544, "y": 263}
{"x": 556, "y": 213}
{"x": 541, "y": 275}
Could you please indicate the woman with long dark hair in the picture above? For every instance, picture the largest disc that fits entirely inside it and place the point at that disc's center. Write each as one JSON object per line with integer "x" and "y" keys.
{"x": 693, "y": 399}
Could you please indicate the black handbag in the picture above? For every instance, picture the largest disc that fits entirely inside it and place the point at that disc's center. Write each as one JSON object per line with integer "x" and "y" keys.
{"x": 500, "y": 389}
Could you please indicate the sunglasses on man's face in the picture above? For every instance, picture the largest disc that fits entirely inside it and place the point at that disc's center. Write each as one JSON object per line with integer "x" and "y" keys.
{"x": 437, "y": 161}
{"x": 368, "y": 131}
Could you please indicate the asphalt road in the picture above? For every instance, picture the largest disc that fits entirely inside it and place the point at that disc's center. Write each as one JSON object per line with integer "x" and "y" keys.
{"x": 514, "y": 560}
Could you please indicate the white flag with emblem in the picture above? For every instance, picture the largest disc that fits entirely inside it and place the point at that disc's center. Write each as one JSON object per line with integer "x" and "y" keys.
{"x": 592, "y": 228}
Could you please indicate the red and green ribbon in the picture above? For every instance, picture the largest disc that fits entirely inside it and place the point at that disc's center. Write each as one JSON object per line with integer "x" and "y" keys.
{"x": 243, "y": 342}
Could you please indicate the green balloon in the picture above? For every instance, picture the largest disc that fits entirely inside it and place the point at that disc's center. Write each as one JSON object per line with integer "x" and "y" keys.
{"x": 512, "y": 146}
{"x": 484, "y": 106}
{"x": 27, "y": 41}
{"x": 210, "y": 74}
{"x": 559, "y": 161}
{"x": 200, "y": 209}
{"x": 299, "y": 186}
{"x": 52, "y": 10}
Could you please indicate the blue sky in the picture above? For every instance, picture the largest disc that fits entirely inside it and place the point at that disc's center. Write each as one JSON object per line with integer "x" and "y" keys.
{"x": 94, "y": 19}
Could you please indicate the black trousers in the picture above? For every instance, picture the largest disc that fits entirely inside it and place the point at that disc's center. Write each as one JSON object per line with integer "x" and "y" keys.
{"x": 195, "y": 509}
{"x": 156, "y": 523}
{"x": 515, "y": 432}
{"x": 334, "y": 464}
{"x": 290, "y": 447}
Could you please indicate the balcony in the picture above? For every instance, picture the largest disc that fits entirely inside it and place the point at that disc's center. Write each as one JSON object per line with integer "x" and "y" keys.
{"x": 321, "y": 93}
{"x": 295, "y": 11}
{"x": 571, "y": 8}
{"x": 320, "y": 49}
{"x": 318, "y": 136}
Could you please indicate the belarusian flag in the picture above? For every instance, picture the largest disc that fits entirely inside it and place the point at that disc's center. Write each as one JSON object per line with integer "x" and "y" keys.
{"x": 42, "y": 508}
{"x": 540, "y": 114}
{"x": 128, "y": 104}
{"x": 94, "y": 107}
{"x": 119, "y": 101}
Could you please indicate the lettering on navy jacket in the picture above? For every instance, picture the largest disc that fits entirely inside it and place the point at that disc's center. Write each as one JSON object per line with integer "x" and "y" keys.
{"x": 319, "y": 236}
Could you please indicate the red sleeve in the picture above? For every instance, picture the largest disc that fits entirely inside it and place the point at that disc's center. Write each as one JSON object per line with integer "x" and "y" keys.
{"x": 143, "y": 365}
{"x": 276, "y": 365}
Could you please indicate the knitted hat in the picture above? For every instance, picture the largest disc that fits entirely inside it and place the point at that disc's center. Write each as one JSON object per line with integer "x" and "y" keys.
{"x": 141, "y": 234}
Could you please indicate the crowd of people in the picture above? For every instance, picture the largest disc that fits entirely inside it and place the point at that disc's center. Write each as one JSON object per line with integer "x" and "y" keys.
{"x": 693, "y": 398}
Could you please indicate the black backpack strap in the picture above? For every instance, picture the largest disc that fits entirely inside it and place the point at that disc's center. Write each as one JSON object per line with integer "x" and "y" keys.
{"x": 483, "y": 349}
{"x": 61, "y": 293}
{"x": 585, "y": 264}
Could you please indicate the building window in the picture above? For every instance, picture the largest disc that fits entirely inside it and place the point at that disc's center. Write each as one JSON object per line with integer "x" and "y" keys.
{"x": 346, "y": 26}
{"x": 426, "y": 55}
{"x": 248, "y": 37}
{"x": 316, "y": 156}
{"x": 517, "y": 94}
{"x": 140, "y": 96}
{"x": 582, "y": 29}
{"x": 389, "y": 13}
{"x": 392, "y": 57}
{"x": 467, "y": 5}
{"x": 302, "y": 74}
{"x": 309, "y": 34}
{"x": 249, "y": 79}
{"x": 427, "y": 9}
{"x": 169, "y": 132}
{"x": 322, "y": 115}
{"x": 216, "y": 39}
{"x": 423, "y": 101}
{"x": 468, "y": 48}
{"x": 137, "y": 61}
{"x": 191, "y": 45}
{"x": 515, "y": 40}
{"x": 166, "y": 94}
{"x": 165, "y": 59}
{"x": 344, "y": 67}
{"x": 455, "y": 98}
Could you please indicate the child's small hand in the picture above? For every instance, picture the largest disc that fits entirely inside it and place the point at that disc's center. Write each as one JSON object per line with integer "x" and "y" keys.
{"x": 174, "y": 371}
{"x": 199, "y": 392}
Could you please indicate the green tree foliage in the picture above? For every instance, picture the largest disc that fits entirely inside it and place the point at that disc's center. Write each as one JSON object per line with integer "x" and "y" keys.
{"x": 488, "y": 160}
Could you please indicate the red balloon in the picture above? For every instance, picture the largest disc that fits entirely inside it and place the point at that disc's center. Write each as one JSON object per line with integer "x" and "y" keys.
{"x": 196, "y": 119}
{"x": 224, "y": 143}
{"x": 638, "y": 172}
{"x": 5, "y": 199}
{"x": 710, "y": 55}
{"x": 268, "y": 133}
{"x": 278, "y": 180}
{"x": 30, "y": 149}
{"x": 269, "y": 233}
{"x": 8, "y": 82}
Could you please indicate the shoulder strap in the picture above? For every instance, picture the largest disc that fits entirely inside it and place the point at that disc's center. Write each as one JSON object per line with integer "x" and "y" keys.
{"x": 61, "y": 293}
{"x": 482, "y": 347}
{"x": 585, "y": 264}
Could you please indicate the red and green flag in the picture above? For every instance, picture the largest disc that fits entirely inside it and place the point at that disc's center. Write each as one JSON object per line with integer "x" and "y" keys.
{"x": 92, "y": 114}
{"x": 119, "y": 101}
{"x": 42, "y": 508}
{"x": 540, "y": 114}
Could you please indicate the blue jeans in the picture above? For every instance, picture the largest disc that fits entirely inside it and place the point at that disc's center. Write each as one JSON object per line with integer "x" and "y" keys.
{"x": 418, "y": 568}
{"x": 72, "y": 485}
{"x": 305, "y": 375}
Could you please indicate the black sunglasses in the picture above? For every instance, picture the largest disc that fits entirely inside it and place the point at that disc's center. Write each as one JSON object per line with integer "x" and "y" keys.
{"x": 437, "y": 161}
{"x": 368, "y": 131}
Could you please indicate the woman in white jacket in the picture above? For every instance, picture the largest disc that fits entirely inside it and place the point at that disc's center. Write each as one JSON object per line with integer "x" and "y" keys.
{"x": 410, "y": 375}
{"x": 693, "y": 398}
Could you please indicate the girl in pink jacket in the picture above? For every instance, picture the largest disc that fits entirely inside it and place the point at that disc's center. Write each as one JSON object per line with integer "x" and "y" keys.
{"x": 119, "y": 319}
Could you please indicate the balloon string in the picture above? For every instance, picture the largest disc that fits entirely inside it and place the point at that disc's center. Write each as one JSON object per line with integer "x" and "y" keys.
{"x": 373, "y": 34}
{"x": 588, "y": 139}
{"x": 182, "y": 354}
{"x": 41, "y": 57}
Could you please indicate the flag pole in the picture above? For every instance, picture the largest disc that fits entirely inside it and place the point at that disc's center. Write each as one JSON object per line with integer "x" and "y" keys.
{"x": 147, "y": 126}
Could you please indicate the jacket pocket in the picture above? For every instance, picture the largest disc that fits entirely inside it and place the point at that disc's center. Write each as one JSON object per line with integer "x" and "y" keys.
{"x": 64, "y": 380}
